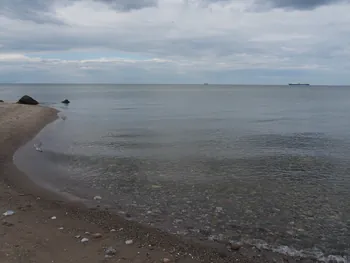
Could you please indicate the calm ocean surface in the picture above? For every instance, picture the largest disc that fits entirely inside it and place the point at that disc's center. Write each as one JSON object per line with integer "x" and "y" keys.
{"x": 267, "y": 165}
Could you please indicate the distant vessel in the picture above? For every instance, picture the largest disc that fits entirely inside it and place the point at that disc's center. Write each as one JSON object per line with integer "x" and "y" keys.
{"x": 299, "y": 84}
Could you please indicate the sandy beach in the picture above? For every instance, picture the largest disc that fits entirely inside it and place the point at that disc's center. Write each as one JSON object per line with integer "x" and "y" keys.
{"x": 47, "y": 228}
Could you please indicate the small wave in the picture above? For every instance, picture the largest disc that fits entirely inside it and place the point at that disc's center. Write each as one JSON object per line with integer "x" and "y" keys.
{"x": 314, "y": 253}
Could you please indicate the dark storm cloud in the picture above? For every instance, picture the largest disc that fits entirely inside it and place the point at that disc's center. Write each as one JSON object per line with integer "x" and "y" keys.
{"x": 297, "y": 4}
{"x": 39, "y": 11}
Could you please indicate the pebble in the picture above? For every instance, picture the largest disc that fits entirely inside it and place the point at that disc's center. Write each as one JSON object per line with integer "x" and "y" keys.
{"x": 84, "y": 240}
{"x": 166, "y": 260}
{"x": 61, "y": 228}
{"x": 78, "y": 236}
{"x": 110, "y": 251}
{"x": 53, "y": 218}
{"x": 235, "y": 246}
{"x": 113, "y": 230}
{"x": 9, "y": 213}
{"x": 97, "y": 235}
{"x": 219, "y": 209}
{"x": 129, "y": 242}
{"x": 97, "y": 197}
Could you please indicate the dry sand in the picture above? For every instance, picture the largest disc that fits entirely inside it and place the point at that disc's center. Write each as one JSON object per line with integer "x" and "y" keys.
{"x": 31, "y": 235}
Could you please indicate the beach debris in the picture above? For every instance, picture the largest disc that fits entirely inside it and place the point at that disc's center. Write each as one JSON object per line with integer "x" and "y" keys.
{"x": 84, "y": 240}
{"x": 97, "y": 197}
{"x": 37, "y": 147}
{"x": 53, "y": 218}
{"x": 113, "y": 230}
{"x": 129, "y": 242}
{"x": 77, "y": 236}
{"x": 97, "y": 235}
{"x": 110, "y": 251}
{"x": 166, "y": 260}
{"x": 27, "y": 100}
{"x": 9, "y": 213}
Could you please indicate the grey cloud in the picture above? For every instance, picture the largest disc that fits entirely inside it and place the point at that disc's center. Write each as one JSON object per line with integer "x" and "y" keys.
{"x": 37, "y": 11}
{"x": 286, "y": 4}
{"x": 297, "y": 4}
{"x": 40, "y": 11}
{"x": 128, "y": 5}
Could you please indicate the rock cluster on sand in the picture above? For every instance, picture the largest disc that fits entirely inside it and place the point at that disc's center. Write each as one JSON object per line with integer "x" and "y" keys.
{"x": 27, "y": 100}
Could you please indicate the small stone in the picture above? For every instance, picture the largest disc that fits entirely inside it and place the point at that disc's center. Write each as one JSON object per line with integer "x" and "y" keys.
{"x": 235, "y": 246}
{"x": 211, "y": 238}
{"x": 129, "y": 242}
{"x": 97, "y": 197}
{"x": 113, "y": 230}
{"x": 77, "y": 236}
{"x": 87, "y": 233}
{"x": 9, "y": 213}
{"x": 84, "y": 240}
{"x": 290, "y": 233}
{"x": 97, "y": 235}
{"x": 110, "y": 251}
{"x": 61, "y": 228}
{"x": 166, "y": 260}
{"x": 53, "y": 218}
{"x": 219, "y": 209}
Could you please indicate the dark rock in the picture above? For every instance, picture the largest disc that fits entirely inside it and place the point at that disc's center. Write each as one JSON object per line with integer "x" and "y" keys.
{"x": 235, "y": 246}
{"x": 1, "y": 101}
{"x": 27, "y": 100}
{"x": 65, "y": 101}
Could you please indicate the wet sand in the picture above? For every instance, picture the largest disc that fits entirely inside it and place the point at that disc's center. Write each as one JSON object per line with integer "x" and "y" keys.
{"x": 48, "y": 228}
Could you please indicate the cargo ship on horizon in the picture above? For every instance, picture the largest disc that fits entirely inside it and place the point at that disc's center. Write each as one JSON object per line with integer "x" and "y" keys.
{"x": 299, "y": 84}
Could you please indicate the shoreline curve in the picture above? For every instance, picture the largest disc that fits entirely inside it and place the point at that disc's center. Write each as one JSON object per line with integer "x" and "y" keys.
{"x": 19, "y": 124}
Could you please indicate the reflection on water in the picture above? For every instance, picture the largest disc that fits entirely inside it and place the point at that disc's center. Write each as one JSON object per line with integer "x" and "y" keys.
{"x": 259, "y": 164}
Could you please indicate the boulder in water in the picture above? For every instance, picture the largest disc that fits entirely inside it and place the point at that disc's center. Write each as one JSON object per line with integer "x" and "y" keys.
{"x": 27, "y": 100}
{"x": 65, "y": 101}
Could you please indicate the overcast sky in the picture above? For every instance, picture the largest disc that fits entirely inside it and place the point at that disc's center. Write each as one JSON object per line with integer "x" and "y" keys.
{"x": 175, "y": 41}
